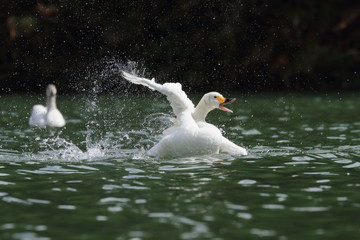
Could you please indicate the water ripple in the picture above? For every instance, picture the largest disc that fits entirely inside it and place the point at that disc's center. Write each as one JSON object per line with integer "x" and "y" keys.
{"x": 303, "y": 167}
{"x": 310, "y": 209}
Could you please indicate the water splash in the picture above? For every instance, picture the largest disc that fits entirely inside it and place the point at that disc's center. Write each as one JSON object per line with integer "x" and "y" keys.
{"x": 98, "y": 124}
{"x": 101, "y": 139}
{"x": 105, "y": 76}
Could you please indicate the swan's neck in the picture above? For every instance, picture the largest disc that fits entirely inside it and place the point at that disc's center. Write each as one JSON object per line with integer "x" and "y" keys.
{"x": 51, "y": 103}
{"x": 201, "y": 111}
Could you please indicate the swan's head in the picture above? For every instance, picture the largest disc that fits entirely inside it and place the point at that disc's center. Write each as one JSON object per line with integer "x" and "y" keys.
{"x": 51, "y": 90}
{"x": 216, "y": 100}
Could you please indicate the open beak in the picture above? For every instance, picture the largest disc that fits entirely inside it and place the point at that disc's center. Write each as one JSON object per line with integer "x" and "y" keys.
{"x": 224, "y": 101}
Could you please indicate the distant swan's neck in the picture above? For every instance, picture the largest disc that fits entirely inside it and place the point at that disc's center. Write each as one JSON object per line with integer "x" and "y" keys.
{"x": 51, "y": 103}
{"x": 201, "y": 111}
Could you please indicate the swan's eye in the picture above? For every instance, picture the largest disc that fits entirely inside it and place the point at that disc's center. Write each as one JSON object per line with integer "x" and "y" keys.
{"x": 214, "y": 96}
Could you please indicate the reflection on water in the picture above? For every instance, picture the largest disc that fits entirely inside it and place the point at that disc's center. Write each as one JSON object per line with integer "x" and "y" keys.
{"x": 93, "y": 179}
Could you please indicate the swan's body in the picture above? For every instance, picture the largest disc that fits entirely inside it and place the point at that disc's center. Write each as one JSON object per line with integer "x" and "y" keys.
{"x": 191, "y": 135}
{"x": 47, "y": 116}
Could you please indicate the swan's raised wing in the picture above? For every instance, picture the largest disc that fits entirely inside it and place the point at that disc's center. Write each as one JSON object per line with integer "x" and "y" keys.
{"x": 173, "y": 91}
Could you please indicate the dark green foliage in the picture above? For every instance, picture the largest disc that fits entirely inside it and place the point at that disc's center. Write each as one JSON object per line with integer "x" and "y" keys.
{"x": 236, "y": 45}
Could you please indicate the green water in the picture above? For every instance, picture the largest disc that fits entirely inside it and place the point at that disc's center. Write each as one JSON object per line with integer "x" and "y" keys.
{"x": 93, "y": 179}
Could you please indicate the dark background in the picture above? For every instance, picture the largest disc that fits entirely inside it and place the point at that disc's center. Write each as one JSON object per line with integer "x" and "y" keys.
{"x": 253, "y": 45}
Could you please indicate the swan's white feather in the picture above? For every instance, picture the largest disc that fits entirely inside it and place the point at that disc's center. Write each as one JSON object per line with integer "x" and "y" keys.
{"x": 37, "y": 117}
{"x": 173, "y": 91}
{"x": 188, "y": 136}
{"x": 229, "y": 147}
{"x": 50, "y": 116}
{"x": 54, "y": 118}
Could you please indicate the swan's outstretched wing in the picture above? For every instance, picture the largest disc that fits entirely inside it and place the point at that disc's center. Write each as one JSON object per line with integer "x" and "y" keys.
{"x": 229, "y": 147}
{"x": 173, "y": 91}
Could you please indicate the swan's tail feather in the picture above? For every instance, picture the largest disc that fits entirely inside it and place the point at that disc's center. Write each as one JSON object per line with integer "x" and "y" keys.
{"x": 142, "y": 81}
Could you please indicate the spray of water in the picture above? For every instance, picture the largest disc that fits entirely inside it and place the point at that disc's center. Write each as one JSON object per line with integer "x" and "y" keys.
{"x": 101, "y": 139}
{"x": 97, "y": 124}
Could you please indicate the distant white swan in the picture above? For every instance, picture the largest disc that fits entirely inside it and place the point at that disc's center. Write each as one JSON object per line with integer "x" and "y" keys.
{"x": 191, "y": 134}
{"x": 47, "y": 116}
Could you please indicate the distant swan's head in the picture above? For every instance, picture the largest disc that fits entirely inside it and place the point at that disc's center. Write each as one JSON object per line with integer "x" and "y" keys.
{"x": 216, "y": 100}
{"x": 51, "y": 90}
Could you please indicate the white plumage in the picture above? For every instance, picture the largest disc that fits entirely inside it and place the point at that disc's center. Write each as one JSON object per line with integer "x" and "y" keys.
{"x": 47, "y": 116}
{"x": 191, "y": 134}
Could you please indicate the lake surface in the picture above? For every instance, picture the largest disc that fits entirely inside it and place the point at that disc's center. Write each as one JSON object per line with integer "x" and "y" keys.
{"x": 93, "y": 179}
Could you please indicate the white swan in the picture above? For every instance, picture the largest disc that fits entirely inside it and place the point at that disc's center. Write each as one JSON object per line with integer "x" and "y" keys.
{"x": 47, "y": 116}
{"x": 190, "y": 135}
